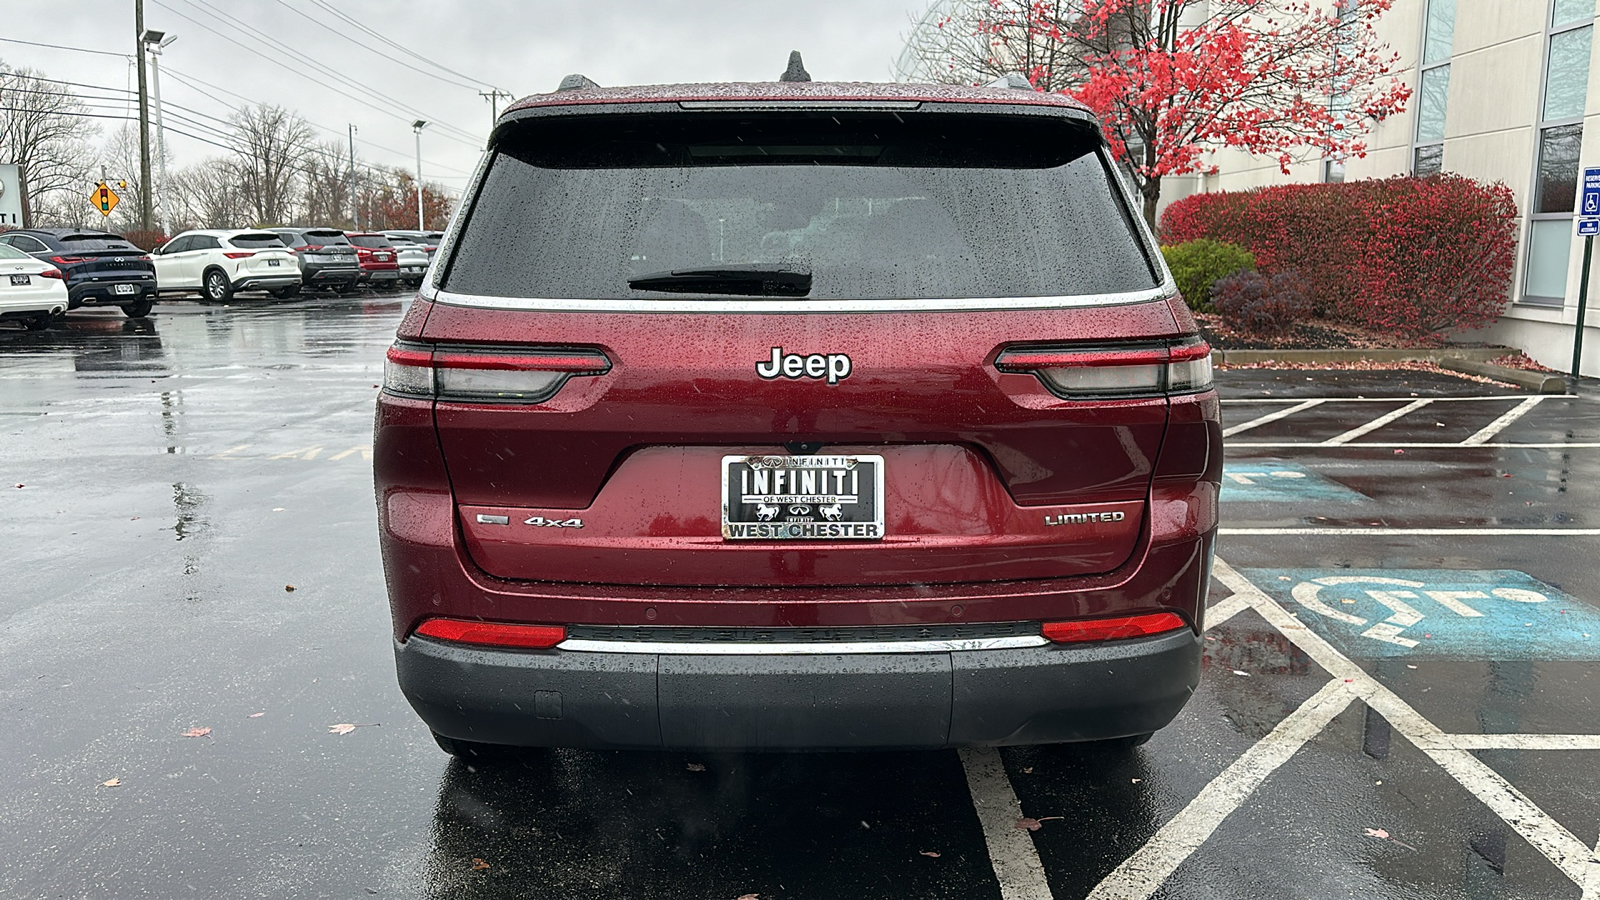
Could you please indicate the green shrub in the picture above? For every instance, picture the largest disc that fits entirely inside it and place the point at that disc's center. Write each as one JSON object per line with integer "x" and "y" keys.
{"x": 1197, "y": 264}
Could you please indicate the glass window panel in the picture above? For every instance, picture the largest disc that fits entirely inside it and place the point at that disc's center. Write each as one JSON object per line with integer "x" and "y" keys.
{"x": 1333, "y": 171}
{"x": 1567, "y": 76}
{"x": 1557, "y": 186}
{"x": 1568, "y": 11}
{"x": 1431, "y": 97}
{"x": 1428, "y": 160}
{"x": 1441, "y": 31}
{"x": 1549, "y": 242}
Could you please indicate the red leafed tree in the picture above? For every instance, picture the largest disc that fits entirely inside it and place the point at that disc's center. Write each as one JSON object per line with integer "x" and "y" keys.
{"x": 1170, "y": 79}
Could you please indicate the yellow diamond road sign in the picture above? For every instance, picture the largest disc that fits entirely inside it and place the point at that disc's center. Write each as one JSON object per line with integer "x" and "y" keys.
{"x": 104, "y": 198}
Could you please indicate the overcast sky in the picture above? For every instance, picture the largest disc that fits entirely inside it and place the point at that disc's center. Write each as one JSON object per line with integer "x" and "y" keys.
{"x": 521, "y": 47}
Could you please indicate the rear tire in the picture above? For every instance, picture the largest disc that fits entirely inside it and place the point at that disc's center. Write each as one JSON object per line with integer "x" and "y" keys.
{"x": 37, "y": 323}
{"x": 140, "y": 309}
{"x": 217, "y": 288}
{"x": 288, "y": 293}
{"x": 348, "y": 287}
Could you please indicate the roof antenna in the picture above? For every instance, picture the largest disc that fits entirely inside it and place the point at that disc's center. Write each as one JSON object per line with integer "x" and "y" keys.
{"x": 796, "y": 71}
{"x": 576, "y": 82}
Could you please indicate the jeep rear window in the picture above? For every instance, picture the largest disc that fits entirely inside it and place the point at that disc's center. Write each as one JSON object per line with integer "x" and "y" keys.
{"x": 873, "y": 206}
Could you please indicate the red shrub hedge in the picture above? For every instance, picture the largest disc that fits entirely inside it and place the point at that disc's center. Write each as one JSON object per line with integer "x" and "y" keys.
{"x": 1409, "y": 256}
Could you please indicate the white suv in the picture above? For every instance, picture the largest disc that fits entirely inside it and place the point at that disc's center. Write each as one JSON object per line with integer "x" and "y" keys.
{"x": 217, "y": 263}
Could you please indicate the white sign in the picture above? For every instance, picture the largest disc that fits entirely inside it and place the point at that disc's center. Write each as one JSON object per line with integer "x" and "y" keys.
{"x": 10, "y": 196}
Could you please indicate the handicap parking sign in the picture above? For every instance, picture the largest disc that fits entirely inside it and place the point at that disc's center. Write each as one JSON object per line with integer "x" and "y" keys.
{"x": 1591, "y": 193}
{"x": 1499, "y": 614}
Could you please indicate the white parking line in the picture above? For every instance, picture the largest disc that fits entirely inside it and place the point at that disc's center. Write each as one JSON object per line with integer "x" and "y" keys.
{"x": 1498, "y": 425}
{"x": 1474, "y": 399}
{"x": 1271, "y": 417}
{"x": 1591, "y": 883}
{"x": 1377, "y": 423}
{"x": 1383, "y": 530}
{"x": 1420, "y": 445}
{"x": 1573, "y": 857}
{"x": 1225, "y": 609}
{"x": 1143, "y": 873}
{"x": 1011, "y": 851}
{"x": 1519, "y": 741}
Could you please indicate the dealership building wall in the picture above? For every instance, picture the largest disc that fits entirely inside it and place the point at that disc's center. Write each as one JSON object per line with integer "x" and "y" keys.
{"x": 1503, "y": 91}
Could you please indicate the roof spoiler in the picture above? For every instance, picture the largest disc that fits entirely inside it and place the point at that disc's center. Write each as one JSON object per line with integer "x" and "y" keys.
{"x": 796, "y": 71}
{"x": 575, "y": 82}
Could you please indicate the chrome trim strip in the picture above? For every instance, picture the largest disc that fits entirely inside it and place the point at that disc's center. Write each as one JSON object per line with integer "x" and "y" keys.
{"x": 821, "y": 648}
{"x": 799, "y": 307}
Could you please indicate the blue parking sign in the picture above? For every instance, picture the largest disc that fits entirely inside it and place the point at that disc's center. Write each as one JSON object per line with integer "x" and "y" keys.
{"x": 1591, "y": 193}
{"x": 1589, "y": 226}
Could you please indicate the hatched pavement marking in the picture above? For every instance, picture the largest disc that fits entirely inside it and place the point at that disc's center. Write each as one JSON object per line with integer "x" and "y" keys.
{"x": 1377, "y": 423}
{"x": 1143, "y": 873}
{"x": 1272, "y": 417}
{"x": 1488, "y": 431}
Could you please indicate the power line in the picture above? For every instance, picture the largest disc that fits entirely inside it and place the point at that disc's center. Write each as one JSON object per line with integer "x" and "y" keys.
{"x": 279, "y": 47}
{"x": 368, "y": 47}
{"x": 61, "y": 47}
{"x": 400, "y": 47}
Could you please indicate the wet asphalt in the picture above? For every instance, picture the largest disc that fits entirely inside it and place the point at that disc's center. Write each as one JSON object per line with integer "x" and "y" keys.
{"x": 186, "y": 504}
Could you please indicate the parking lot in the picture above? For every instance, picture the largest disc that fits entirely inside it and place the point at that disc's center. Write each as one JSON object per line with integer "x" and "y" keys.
{"x": 1401, "y": 698}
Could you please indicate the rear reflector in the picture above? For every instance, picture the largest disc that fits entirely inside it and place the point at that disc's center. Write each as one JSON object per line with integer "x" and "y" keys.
{"x": 1112, "y": 371}
{"x": 493, "y": 634}
{"x": 1113, "y": 629}
{"x": 486, "y": 375}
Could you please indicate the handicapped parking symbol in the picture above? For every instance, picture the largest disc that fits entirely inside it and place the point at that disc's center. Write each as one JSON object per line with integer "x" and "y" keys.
{"x": 1477, "y": 614}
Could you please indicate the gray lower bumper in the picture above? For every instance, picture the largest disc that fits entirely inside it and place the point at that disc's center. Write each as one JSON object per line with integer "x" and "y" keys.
{"x": 961, "y": 698}
{"x": 266, "y": 282}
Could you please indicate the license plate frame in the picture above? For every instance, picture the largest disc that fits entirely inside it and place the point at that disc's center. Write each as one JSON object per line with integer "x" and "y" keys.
{"x": 21, "y": 280}
{"x": 840, "y": 500}
{"x": 124, "y": 289}
{"x": 274, "y": 262}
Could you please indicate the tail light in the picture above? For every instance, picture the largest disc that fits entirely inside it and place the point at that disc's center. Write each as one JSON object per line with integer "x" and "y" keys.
{"x": 1110, "y": 370}
{"x": 475, "y": 374}
{"x": 53, "y": 273}
{"x": 240, "y": 255}
{"x": 69, "y": 260}
{"x": 1118, "y": 628}
{"x": 493, "y": 634}
{"x": 312, "y": 248}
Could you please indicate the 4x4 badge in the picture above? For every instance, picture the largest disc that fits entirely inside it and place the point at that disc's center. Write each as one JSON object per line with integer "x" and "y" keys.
{"x": 833, "y": 366}
{"x": 553, "y": 523}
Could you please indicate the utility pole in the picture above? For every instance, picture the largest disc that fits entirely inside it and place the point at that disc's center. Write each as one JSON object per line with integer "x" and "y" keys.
{"x": 493, "y": 96}
{"x": 355, "y": 211}
{"x": 144, "y": 119}
{"x": 156, "y": 40}
{"x": 417, "y": 126}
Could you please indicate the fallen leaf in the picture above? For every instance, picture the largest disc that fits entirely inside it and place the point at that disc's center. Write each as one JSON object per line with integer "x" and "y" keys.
{"x": 289, "y": 588}
{"x": 1399, "y": 453}
{"x": 19, "y": 484}
{"x": 1030, "y": 824}
{"x": 695, "y": 767}
{"x": 115, "y": 782}
{"x": 1378, "y": 833}
{"x": 255, "y": 715}
{"x": 478, "y": 864}
{"x": 341, "y": 728}
{"x": 931, "y": 854}
{"x": 277, "y": 509}
{"x": 196, "y": 732}
{"x": 1027, "y": 770}
{"x": 1241, "y": 672}
{"x": 748, "y": 897}
{"x": 1137, "y": 780}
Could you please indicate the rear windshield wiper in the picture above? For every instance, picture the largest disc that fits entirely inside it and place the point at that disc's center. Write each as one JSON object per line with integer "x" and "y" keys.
{"x": 749, "y": 280}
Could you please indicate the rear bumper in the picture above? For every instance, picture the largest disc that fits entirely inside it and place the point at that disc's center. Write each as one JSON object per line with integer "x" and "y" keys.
{"x": 266, "y": 282}
{"x": 328, "y": 273}
{"x": 800, "y": 702}
{"x": 103, "y": 293}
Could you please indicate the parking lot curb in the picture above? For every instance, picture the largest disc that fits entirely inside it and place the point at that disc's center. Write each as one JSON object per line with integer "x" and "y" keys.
{"x": 1539, "y": 382}
{"x": 1338, "y": 355}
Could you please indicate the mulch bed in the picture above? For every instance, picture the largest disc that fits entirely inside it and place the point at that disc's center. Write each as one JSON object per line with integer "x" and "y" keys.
{"x": 1318, "y": 334}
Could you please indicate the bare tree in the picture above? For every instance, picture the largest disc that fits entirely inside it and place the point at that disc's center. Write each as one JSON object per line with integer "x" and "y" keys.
{"x": 326, "y": 187}
{"x": 119, "y": 165}
{"x": 271, "y": 144}
{"x": 44, "y": 129}
{"x": 209, "y": 194}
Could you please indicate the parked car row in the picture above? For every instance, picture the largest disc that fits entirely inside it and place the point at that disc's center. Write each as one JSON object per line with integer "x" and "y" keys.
{"x": 97, "y": 268}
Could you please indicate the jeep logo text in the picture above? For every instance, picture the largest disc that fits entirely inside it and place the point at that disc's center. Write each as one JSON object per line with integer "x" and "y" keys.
{"x": 833, "y": 366}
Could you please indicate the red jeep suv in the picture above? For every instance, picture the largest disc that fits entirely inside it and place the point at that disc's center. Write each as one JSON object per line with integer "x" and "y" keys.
{"x": 797, "y": 415}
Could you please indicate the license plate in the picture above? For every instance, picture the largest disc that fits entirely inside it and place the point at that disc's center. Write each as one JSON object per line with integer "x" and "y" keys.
{"x": 274, "y": 262}
{"x": 816, "y": 498}
{"x": 18, "y": 280}
{"x": 123, "y": 289}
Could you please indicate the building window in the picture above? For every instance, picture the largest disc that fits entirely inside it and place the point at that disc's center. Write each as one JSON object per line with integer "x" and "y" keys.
{"x": 1339, "y": 99}
{"x": 1569, "y": 32}
{"x": 1433, "y": 87}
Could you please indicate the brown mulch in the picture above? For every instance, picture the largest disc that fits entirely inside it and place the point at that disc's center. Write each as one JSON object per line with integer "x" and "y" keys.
{"x": 1317, "y": 334}
{"x": 1367, "y": 365}
{"x": 1519, "y": 360}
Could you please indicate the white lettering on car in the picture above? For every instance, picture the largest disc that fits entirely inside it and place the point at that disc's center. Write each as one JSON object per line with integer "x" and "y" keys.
{"x": 835, "y": 367}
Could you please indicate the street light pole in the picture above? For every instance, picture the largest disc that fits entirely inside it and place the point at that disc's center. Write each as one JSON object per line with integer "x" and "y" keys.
{"x": 155, "y": 40}
{"x": 144, "y": 119}
{"x": 417, "y": 127}
{"x": 355, "y": 211}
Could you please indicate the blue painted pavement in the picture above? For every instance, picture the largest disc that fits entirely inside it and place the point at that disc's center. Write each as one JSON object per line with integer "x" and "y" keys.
{"x": 1270, "y": 480}
{"x": 1496, "y": 614}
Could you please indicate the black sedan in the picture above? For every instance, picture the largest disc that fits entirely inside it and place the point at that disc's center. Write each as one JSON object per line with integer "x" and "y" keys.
{"x": 102, "y": 269}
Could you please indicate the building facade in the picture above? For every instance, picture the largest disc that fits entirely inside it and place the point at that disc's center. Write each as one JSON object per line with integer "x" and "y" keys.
{"x": 1502, "y": 92}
